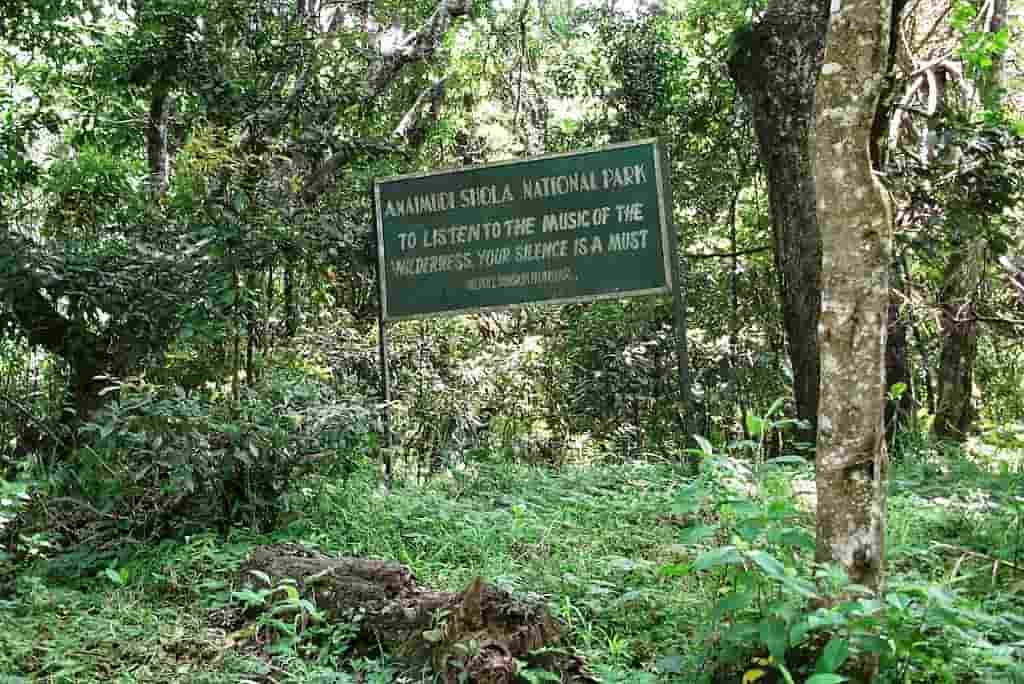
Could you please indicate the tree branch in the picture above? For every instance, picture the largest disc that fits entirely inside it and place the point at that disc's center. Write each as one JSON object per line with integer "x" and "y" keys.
{"x": 404, "y": 49}
{"x": 410, "y": 128}
{"x": 1017, "y": 323}
{"x": 413, "y": 47}
{"x": 323, "y": 175}
{"x": 43, "y": 427}
{"x": 37, "y": 316}
{"x": 726, "y": 255}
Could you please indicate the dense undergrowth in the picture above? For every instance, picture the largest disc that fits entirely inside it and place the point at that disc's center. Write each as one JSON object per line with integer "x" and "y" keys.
{"x": 658, "y": 575}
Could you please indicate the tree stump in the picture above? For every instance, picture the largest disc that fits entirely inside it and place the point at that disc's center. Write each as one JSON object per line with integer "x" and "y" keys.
{"x": 482, "y": 631}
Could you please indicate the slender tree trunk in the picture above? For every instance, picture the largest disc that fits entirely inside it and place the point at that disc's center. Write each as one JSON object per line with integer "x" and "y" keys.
{"x": 955, "y": 412}
{"x": 964, "y": 274}
{"x": 157, "y": 152}
{"x": 778, "y": 75}
{"x": 899, "y": 407}
{"x": 855, "y": 217}
{"x": 291, "y": 307}
{"x": 990, "y": 89}
{"x": 236, "y": 354}
{"x": 268, "y": 297}
{"x": 250, "y": 352}
{"x": 929, "y": 384}
{"x": 899, "y": 411}
{"x": 734, "y": 319}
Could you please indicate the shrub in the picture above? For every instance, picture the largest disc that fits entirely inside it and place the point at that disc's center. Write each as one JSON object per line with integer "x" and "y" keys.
{"x": 156, "y": 459}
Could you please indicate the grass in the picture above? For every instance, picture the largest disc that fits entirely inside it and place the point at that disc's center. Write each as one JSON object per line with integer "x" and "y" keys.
{"x": 611, "y": 550}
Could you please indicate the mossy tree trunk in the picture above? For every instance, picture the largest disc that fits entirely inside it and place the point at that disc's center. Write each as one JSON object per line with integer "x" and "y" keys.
{"x": 954, "y": 412}
{"x": 777, "y": 72}
{"x": 962, "y": 279}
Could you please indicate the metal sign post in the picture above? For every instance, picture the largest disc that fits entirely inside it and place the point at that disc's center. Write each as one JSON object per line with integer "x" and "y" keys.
{"x": 385, "y": 382}
{"x": 385, "y": 374}
{"x": 690, "y": 421}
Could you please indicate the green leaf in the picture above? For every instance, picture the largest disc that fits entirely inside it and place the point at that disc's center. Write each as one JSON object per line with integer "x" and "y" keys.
{"x": 725, "y": 555}
{"x": 773, "y": 634}
{"x": 750, "y": 530}
{"x": 744, "y": 507}
{"x": 792, "y": 536}
{"x": 114, "y": 576}
{"x": 872, "y": 644}
{"x": 705, "y": 445}
{"x": 670, "y": 664}
{"x": 251, "y": 599}
{"x": 732, "y": 601}
{"x": 897, "y": 390}
{"x": 675, "y": 570}
{"x": 799, "y": 586}
{"x": 240, "y": 201}
{"x": 834, "y": 655}
{"x": 741, "y": 633}
{"x": 755, "y": 425}
{"x": 798, "y": 631}
{"x": 698, "y": 533}
{"x": 771, "y": 566}
{"x": 826, "y": 678}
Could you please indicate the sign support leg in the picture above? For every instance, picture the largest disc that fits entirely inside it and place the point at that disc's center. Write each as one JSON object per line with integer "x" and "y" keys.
{"x": 382, "y": 342}
{"x": 690, "y": 422}
{"x": 385, "y": 390}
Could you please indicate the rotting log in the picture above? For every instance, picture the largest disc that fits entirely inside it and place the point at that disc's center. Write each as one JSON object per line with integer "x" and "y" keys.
{"x": 482, "y": 631}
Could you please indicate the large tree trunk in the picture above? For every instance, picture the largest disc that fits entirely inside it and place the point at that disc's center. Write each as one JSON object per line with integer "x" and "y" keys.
{"x": 482, "y": 631}
{"x": 856, "y": 225}
{"x": 778, "y": 75}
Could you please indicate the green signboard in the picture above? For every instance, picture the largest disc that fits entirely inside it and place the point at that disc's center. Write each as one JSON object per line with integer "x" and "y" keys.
{"x": 559, "y": 228}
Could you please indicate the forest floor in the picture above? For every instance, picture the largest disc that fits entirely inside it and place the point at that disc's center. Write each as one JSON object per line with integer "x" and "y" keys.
{"x": 619, "y": 553}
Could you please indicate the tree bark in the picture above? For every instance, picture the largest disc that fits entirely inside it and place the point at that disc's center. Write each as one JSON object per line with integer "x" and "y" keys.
{"x": 899, "y": 406}
{"x": 855, "y": 217}
{"x": 955, "y": 412}
{"x": 157, "y": 152}
{"x": 482, "y": 631}
{"x": 778, "y": 75}
{"x": 964, "y": 274}
{"x": 990, "y": 89}
{"x": 899, "y": 411}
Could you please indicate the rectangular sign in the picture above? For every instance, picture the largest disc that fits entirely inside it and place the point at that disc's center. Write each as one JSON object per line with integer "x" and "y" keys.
{"x": 559, "y": 228}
